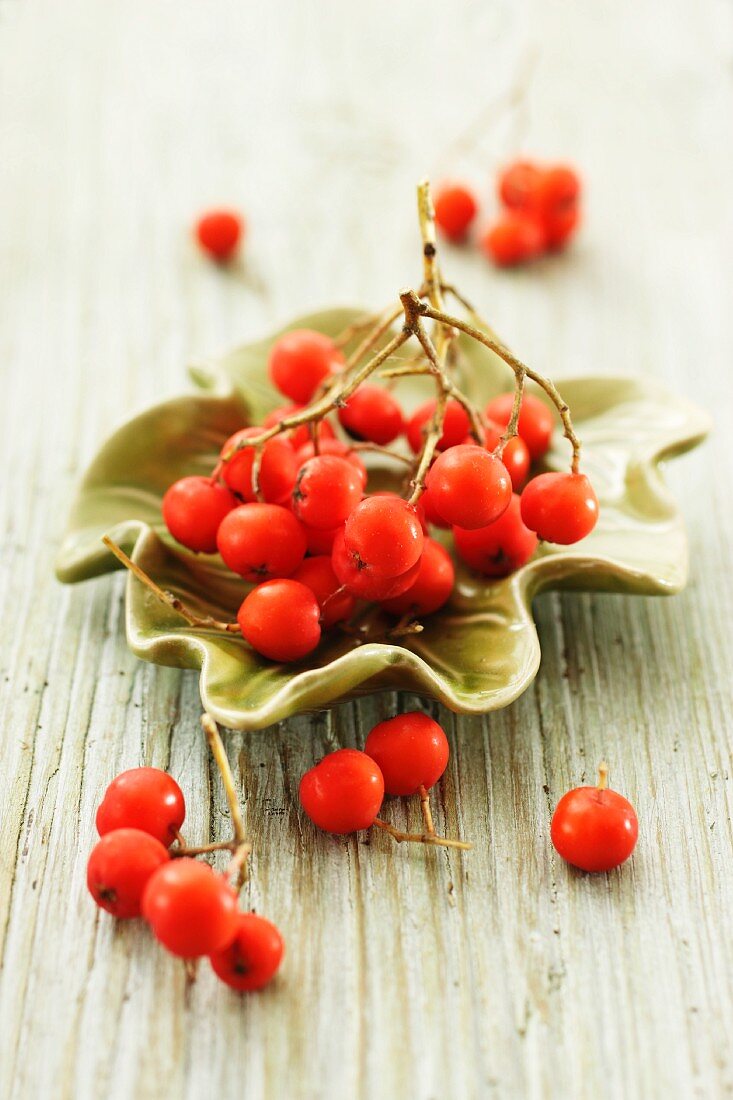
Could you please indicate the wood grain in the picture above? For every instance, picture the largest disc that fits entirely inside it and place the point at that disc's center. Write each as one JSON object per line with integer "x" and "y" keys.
{"x": 416, "y": 973}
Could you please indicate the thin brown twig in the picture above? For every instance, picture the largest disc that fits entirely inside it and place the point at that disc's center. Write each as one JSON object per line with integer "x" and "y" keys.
{"x": 241, "y": 849}
{"x": 421, "y": 838}
{"x": 427, "y": 813}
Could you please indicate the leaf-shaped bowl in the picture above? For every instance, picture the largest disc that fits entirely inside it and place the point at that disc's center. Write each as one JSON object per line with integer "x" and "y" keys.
{"x": 475, "y": 655}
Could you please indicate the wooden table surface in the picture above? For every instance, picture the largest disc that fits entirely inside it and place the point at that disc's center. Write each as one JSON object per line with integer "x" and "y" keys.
{"x": 410, "y": 972}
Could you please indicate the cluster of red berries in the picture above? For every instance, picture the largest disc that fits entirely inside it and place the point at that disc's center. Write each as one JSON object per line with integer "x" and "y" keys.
{"x": 313, "y": 543}
{"x": 135, "y": 870}
{"x": 540, "y": 212}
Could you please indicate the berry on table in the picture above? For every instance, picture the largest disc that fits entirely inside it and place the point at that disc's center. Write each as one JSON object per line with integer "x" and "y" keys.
{"x": 281, "y": 620}
{"x": 143, "y": 798}
{"x": 431, "y": 588}
{"x": 372, "y": 414}
{"x": 193, "y": 509}
{"x": 119, "y": 868}
{"x": 515, "y": 456}
{"x": 558, "y": 191}
{"x": 300, "y": 361}
{"x": 411, "y": 751}
{"x": 191, "y": 909}
{"x": 455, "y": 210}
{"x": 468, "y": 486}
{"x": 261, "y": 541}
{"x": 384, "y": 536}
{"x": 513, "y": 240}
{"x": 594, "y": 828}
{"x": 561, "y": 508}
{"x": 560, "y": 226}
{"x": 317, "y": 574}
{"x": 278, "y": 467}
{"x": 500, "y": 548}
{"x": 363, "y": 581}
{"x": 343, "y": 792}
{"x": 456, "y": 425}
{"x": 253, "y": 957}
{"x": 326, "y": 491}
{"x": 518, "y": 185}
{"x": 535, "y": 425}
{"x": 219, "y": 233}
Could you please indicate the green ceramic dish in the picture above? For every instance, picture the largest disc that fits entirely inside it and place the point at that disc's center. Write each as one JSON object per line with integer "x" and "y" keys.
{"x": 478, "y": 653}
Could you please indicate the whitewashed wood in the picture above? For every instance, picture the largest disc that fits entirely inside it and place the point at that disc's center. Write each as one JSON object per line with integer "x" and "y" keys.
{"x": 417, "y": 973}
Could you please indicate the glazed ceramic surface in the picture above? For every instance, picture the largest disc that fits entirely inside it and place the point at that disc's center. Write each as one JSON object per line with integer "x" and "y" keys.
{"x": 480, "y": 651}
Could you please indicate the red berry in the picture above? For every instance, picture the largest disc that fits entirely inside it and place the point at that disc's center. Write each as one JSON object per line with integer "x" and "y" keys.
{"x": 333, "y": 447}
{"x": 456, "y": 425}
{"x": 372, "y": 413}
{"x": 278, "y": 467}
{"x": 594, "y": 828}
{"x": 559, "y": 190}
{"x": 384, "y": 535}
{"x": 302, "y": 434}
{"x": 343, "y": 792}
{"x": 468, "y": 486}
{"x": 119, "y": 868}
{"x": 318, "y": 575}
{"x": 300, "y": 361}
{"x": 561, "y": 508}
{"x": 560, "y": 226}
{"x": 321, "y": 542}
{"x": 362, "y": 581}
{"x": 193, "y": 508}
{"x": 281, "y": 620}
{"x": 219, "y": 233}
{"x": 252, "y": 959}
{"x": 519, "y": 185}
{"x": 411, "y": 751}
{"x": 455, "y": 209}
{"x": 432, "y": 586}
{"x": 502, "y": 547}
{"x": 516, "y": 455}
{"x": 430, "y": 513}
{"x": 260, "y": 541}
{"x": 536, "y": 421}
{"x": 327, "y": 490}
{"x": 143, "y": 798}
{"x": 191, "y": 909}
{"x": 514, "y": 239}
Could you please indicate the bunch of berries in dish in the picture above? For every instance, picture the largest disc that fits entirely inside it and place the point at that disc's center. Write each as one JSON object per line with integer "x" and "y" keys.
{"x": 540, "y": 212}
{"x": 289, "y": 506}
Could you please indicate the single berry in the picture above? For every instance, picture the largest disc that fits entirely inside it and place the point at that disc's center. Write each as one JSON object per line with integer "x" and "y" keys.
{"x": 468, "y": 486}
{"x": 281, "y": 620}
{"x": 253, "y": 957}
{"x": 219, "y": 233}
{"x": 321, "y": 541}
{"x": 500, "y": 548}
{"x": 119, "y": 868}
{"x": 411, "y": 751}
{"x": 515, "y": 456}
{"x": 326, "y": 491}
{"x": 143, "y": 798}
{"x": 373, "y": 414}
{"x": 519, "y": 185}
{"x": 594, "y": 828}
{"x": 333, "y": 447}
{"x": 560, "y": 227}
{"x": 456, "y": 425}
{"x": 455, "y": 210}
{"x": 191, "y": 909}
{"x": 302, "y": 434}
{"x": 318, "y": 575}
{"x": 561, "y": 508}
{"x": 559, "y": 190}
{"x": 261, "y": 541}
{"x": 384, "y": 536}
{"x": 193, "y": 509}
{"x": 278, "y": 467}
{"x": 300, "y": 361}
{"x": 362, "y": 581}
{"x": 432, "y": 586}
{"x": 343, "y": 792}
{"x": 429, "y": 512}
{"x": 535, "y": 425}
{"x": 514, "y": 239}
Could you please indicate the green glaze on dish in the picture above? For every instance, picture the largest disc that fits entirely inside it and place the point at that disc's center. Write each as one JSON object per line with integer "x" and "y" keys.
{"x": 479, "y": 652}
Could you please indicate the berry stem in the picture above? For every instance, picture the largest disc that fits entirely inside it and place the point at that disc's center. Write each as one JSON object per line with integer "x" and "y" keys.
{"x": 421, "y": 838}
{"x": 205, "y": 622}
{"x": 406, "y": 625}
{"x": 239, "y": 846}
{"x": 203, "y": 849}
{"x": 603, "y": 776}
{"x": 426, "y": 811}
